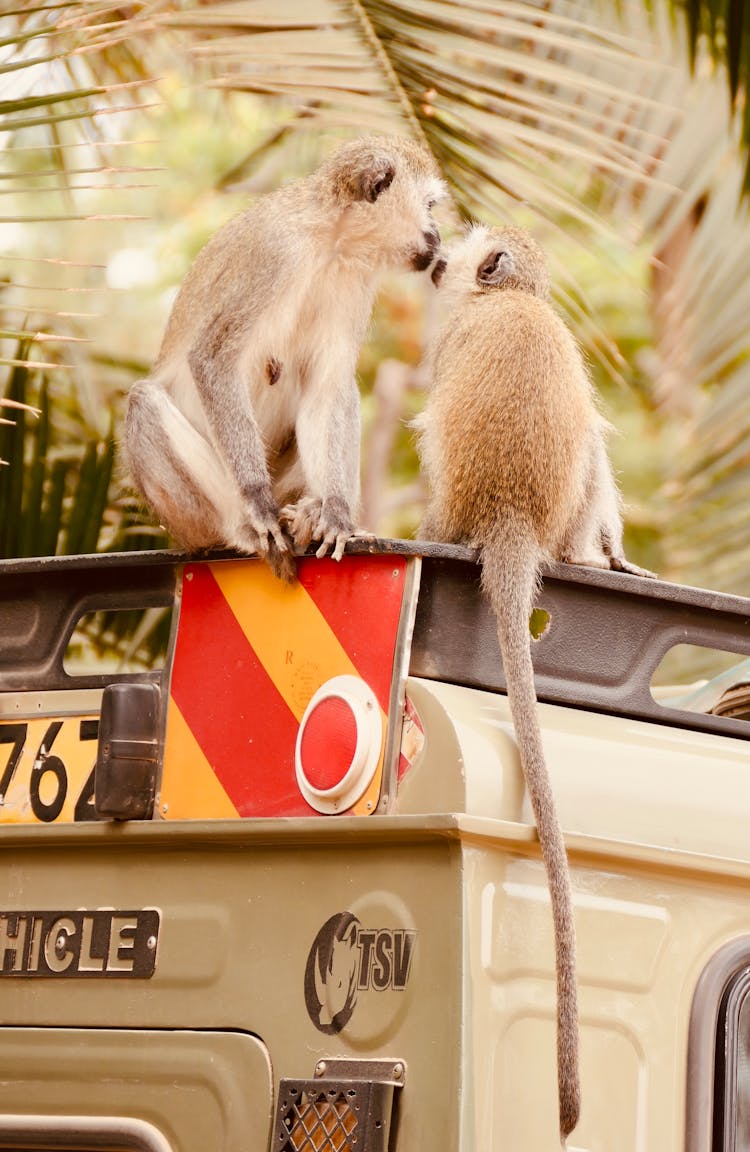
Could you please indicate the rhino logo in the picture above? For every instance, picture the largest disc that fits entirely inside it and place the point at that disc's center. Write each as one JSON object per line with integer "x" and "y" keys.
{"x": 331, "y": 973}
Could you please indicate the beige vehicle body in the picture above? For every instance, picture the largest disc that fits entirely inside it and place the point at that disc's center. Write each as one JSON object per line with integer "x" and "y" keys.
{"x": 190, "y": 967}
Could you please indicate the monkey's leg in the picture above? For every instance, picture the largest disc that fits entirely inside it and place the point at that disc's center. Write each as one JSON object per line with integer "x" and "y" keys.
{"x": 607, "y": 515}
{"x": 174, "y": 468}
{"x": 599, "y": 506}
{"x": 328, "y": 431}
{"x": 252, "y": 524}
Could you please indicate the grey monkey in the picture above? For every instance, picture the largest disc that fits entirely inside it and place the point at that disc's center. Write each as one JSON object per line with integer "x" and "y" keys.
{"x": 514, "y": 451}
{"x": 247, "y": 431}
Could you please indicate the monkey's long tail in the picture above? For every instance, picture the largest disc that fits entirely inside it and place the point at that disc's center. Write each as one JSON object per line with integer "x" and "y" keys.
{"x": 510, "y": 573}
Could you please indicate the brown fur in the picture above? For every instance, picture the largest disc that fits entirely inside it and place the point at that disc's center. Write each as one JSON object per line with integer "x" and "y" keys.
{"x": 513, "y": 447}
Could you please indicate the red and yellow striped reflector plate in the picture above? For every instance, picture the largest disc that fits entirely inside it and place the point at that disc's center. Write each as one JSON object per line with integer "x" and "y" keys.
{"x": 250, "y": 653}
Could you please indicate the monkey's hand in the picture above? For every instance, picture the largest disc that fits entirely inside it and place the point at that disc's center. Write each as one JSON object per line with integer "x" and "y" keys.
{"x": 313, "y": 519}
{"x": 260, "y": 532}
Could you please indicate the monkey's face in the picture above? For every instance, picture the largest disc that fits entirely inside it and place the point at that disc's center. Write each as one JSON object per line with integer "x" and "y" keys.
{"x": 389, "y": 187}
{"x": 488, "y": 259}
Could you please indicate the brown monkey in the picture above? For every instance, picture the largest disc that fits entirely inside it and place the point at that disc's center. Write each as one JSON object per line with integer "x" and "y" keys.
{"x": 514, "y": 451}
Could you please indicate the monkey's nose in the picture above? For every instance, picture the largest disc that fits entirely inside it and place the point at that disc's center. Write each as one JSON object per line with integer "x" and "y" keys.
{"x": 422, "y": 258}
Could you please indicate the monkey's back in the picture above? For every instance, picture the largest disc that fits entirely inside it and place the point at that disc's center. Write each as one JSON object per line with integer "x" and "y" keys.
{"x": 241, "y": 266}
{"x": 510, "y": 411}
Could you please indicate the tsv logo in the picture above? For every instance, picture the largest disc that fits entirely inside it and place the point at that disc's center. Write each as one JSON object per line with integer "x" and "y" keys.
{"x": 347, "y": 959}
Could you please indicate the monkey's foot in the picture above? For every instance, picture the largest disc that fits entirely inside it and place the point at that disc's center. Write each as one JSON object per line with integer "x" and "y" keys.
{"x": 620, "y": 564}
{"x": 313, "y": 519}
{"x": 609, "y": 563}
{"x": 300, "y": 520}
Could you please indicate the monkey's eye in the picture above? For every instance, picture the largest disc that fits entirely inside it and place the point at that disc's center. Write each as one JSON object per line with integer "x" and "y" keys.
{"x": 431, "y": 203}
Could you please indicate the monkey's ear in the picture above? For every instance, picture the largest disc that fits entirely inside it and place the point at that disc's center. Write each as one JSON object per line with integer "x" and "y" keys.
{"x": 496, "y": 268}
{"x": 375, "y": 180}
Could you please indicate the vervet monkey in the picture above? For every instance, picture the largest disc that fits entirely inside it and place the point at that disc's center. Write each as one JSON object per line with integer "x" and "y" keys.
{"x": 514, "y": 451}
{"x": 247, "y": 431}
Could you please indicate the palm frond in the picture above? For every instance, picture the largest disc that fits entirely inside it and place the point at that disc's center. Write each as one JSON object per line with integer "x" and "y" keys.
{"x": 699, "y": 240}
{"x": 58, "y": 494}
{"x": 724, "y": 27}
{"x": 547, "y": 110}
{"x": 506, "y": 95}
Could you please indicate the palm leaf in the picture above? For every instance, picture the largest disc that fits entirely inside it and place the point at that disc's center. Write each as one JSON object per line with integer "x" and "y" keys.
{"x": 700, "y": 245}
{"x": 552, "y": 108}
{"x": 488, "y": 86}
{"x": 724, "y": 26}
{"x": 523, "y": 104}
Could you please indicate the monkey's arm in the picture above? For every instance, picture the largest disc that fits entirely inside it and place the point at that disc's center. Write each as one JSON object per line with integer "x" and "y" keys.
{"x": 328, "y": 432}
{"x": 214, "y": 362}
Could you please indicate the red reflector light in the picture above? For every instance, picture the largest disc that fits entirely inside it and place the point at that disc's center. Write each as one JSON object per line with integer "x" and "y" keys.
{"x": 329, "y": 742}
{"x": 338, "y": 744}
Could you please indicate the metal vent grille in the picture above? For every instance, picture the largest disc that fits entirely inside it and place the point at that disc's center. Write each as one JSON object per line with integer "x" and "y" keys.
{"x": 333, "y": 1116}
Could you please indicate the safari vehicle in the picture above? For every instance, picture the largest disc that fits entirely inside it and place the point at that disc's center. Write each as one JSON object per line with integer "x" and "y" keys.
{"x": 284, "y": 892}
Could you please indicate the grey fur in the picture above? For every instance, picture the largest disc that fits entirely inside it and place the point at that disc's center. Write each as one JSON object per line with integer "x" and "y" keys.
{"x": 247, "y": 431}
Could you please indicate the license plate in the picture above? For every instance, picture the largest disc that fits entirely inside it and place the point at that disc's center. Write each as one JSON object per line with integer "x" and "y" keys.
{"x": 47, "y": 769}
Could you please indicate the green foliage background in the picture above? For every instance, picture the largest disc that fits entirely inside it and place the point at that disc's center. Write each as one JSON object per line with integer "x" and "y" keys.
{"x": 130, "y": 134}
